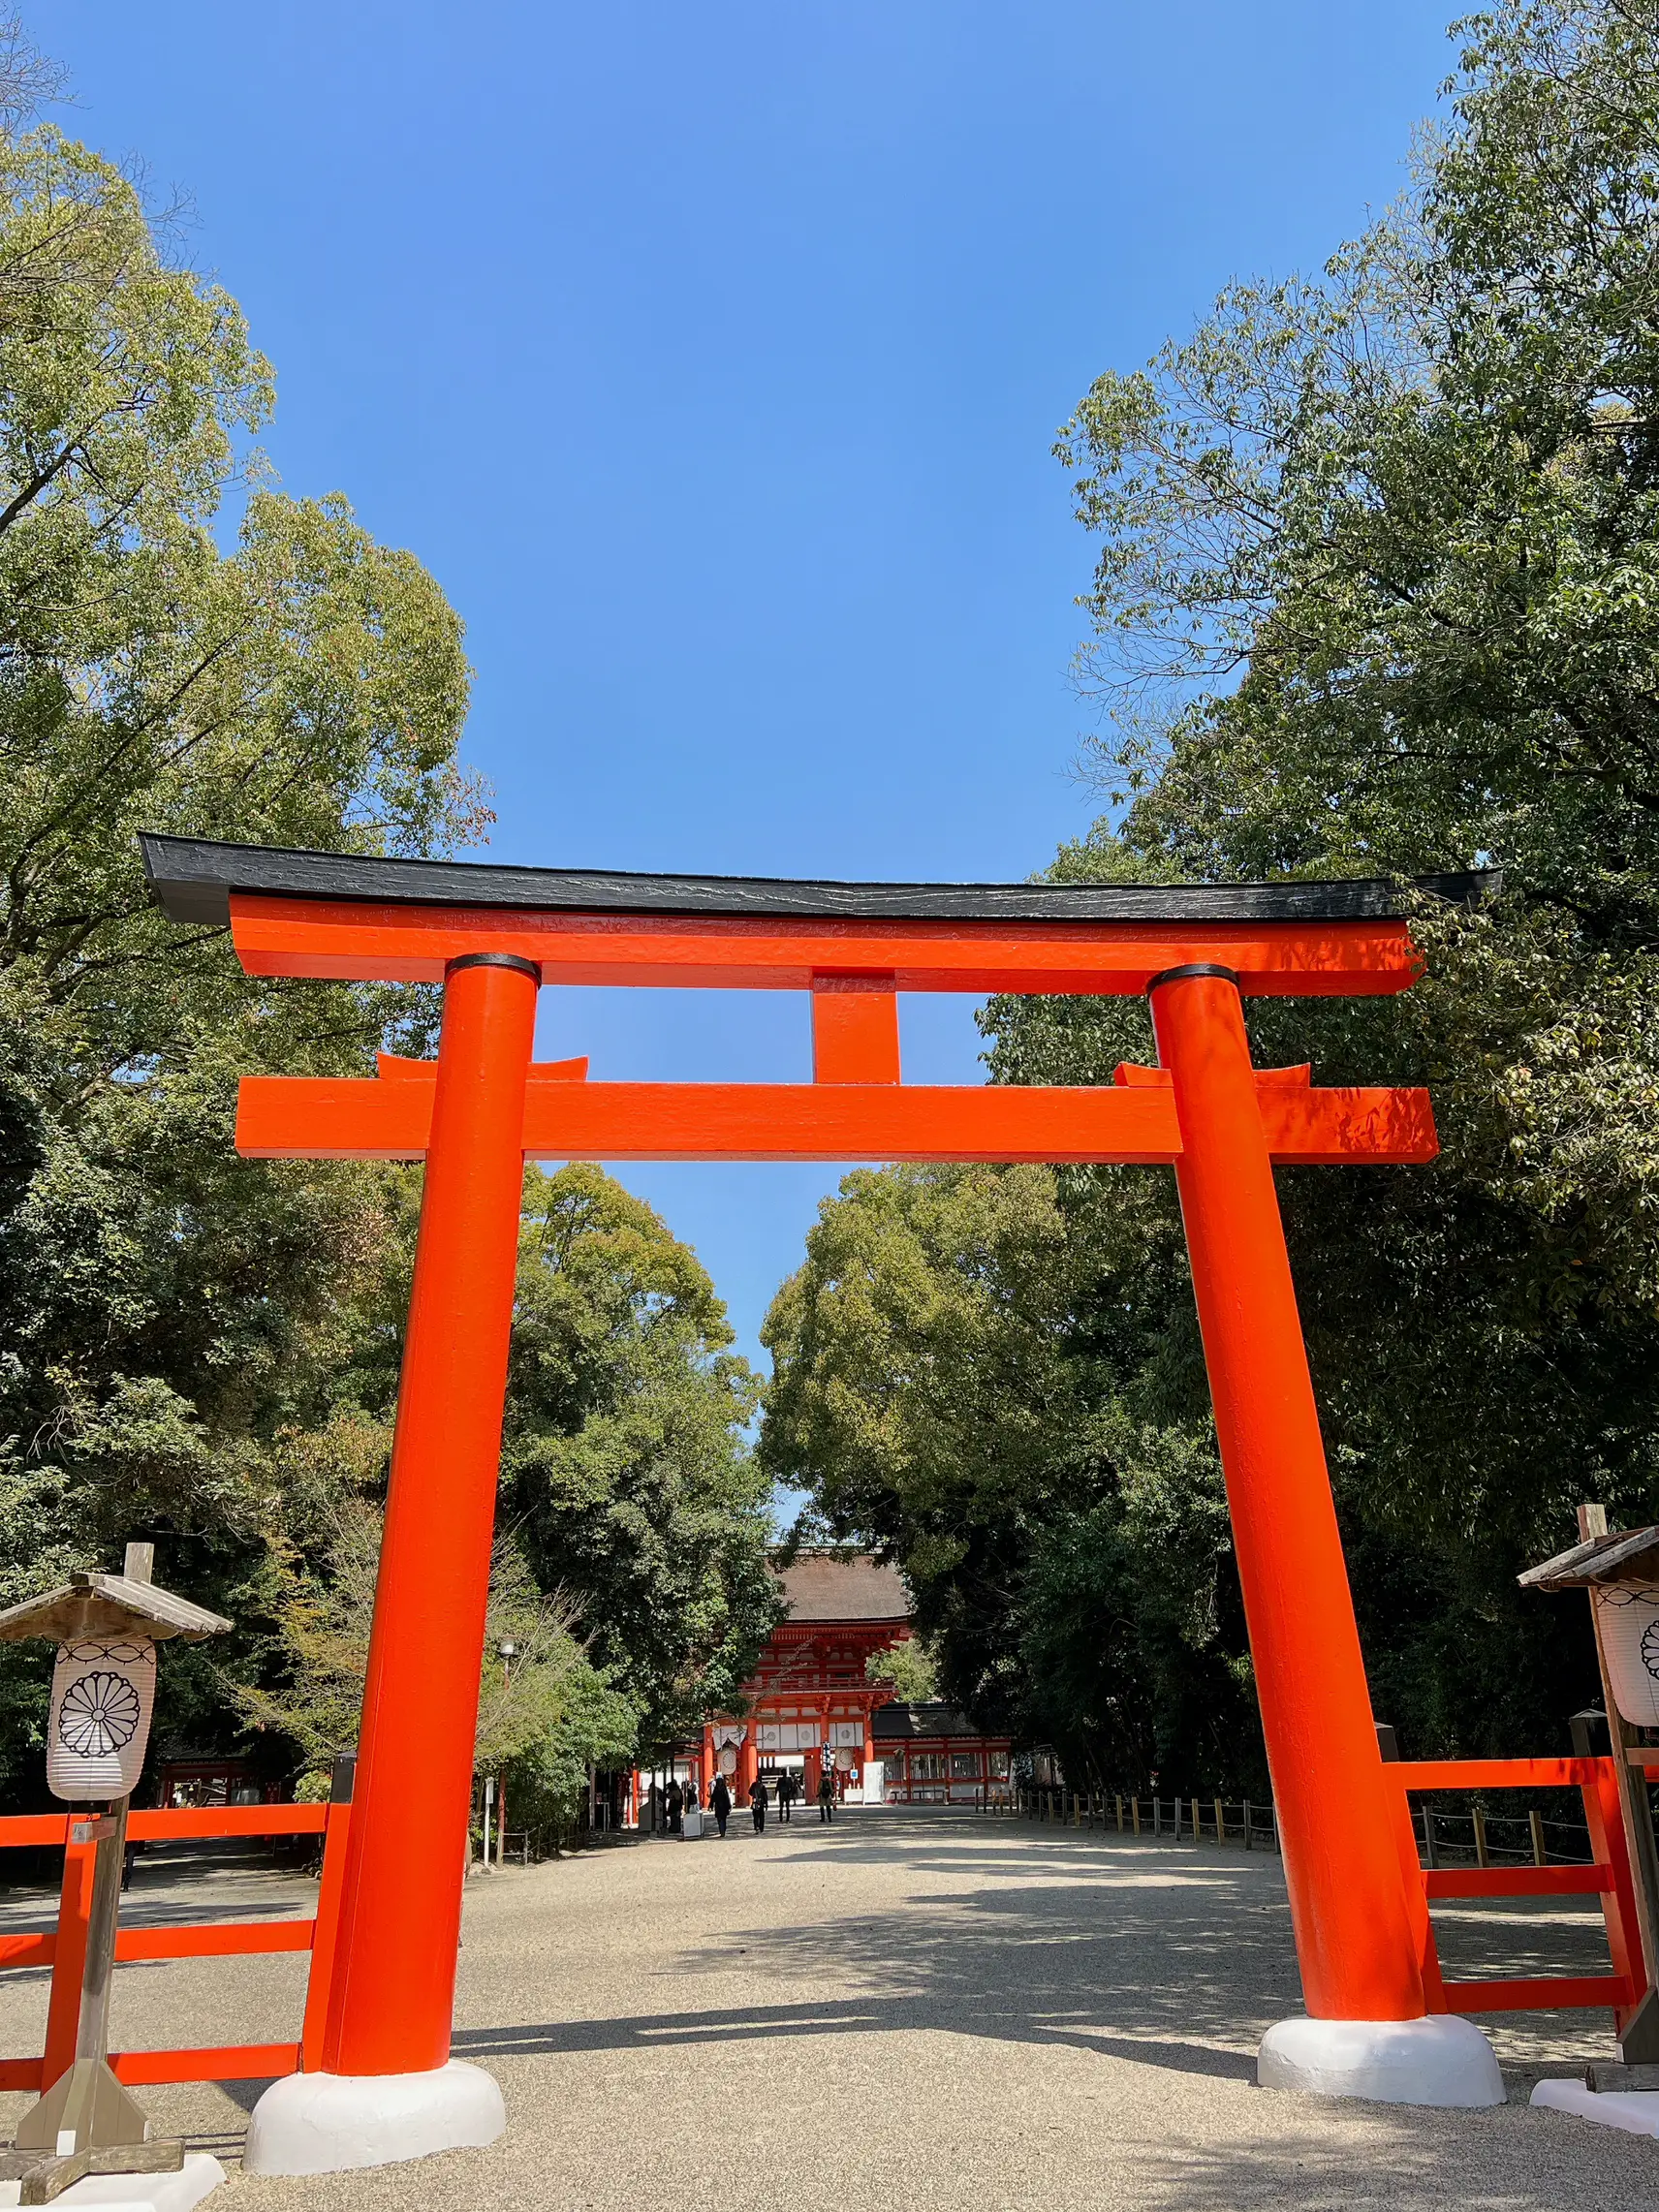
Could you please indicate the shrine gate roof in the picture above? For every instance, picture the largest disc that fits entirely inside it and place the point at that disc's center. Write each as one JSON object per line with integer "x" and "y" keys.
{"x": 821, "y": 1588}
{"x": 891, "y": 1722}
{"x": 193, "y": 879}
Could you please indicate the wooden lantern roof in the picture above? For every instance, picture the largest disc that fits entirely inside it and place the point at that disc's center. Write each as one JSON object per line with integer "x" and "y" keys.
{"x": 1620, "y": 1555}
{"x": 93, "y": 1605}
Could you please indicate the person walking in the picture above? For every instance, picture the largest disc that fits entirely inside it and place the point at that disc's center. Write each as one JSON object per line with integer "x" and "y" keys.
{"x": 758, "y": 1803}
{"x": 827, "y": 1795}
{"x": 720, "y": 1799}
{"x": 785, "y": 1794}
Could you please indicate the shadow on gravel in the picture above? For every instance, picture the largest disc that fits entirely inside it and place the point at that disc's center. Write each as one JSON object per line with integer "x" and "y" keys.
{"x": 676, "y": 2031}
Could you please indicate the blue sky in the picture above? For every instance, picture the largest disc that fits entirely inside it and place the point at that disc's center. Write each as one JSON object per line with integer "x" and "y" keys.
{"x": 711, "y": 359}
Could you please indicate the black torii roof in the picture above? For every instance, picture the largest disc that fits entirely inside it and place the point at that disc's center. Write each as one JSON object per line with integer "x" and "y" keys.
{"x": 192, "y": 878}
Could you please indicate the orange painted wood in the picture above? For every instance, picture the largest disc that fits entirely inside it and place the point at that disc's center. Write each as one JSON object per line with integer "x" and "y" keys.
{"x": 227, "y": 1820}
{"x": 69, "y": 1961}
{"x": 21, "y": 1829}
{"x": 1323, "y": 1127}
{"x": 392, "y": 1999}
{"x": 213, "y": 1939}
{"x": 1542, "y": 1995}
{"x": 357, "y": 939}
{"x": 1604, "y": 1815}
{"x": 38, "y": 1949}
{"x": 303, "y": 1117}
{"x": 1493, "y": 1773}
{"x": 225, "y": 2062}
{"x": 1516, "y": 1880}
{"x": 854, "y": 1030}
{"x": 294, "y": 1117}
{"x": 20, "y": 2073}
{"x": 1357, "y": 1920}
{"x": 325, "y": 1941}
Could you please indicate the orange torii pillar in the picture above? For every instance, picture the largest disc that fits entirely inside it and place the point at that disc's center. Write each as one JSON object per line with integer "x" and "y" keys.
{"x": 1360, "y": 1931}
{"x": 1375, "y": 2024}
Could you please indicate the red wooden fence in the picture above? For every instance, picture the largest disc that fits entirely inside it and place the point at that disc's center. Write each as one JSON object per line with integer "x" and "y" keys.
{"x": 64, "y": 1950}
{"x": 1609, "y": 1878}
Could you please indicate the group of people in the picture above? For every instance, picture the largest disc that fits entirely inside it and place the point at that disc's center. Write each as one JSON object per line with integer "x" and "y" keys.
{"x": 787, "y": 1788}
{"x": 677, "y": 1800}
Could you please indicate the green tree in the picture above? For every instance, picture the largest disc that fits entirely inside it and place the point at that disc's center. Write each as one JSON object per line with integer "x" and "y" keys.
{"x": 173, "y": 1318}
{"x": 544, "y": 1719}
{"x": 911, "y": 1667}
{"x": 626, "y": 1462}
{"x": 980, "y": 1384}
{"x": 1376, "y": 595}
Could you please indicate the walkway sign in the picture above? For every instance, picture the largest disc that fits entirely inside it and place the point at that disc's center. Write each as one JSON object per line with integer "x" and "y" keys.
{"x": 492, "y": 937}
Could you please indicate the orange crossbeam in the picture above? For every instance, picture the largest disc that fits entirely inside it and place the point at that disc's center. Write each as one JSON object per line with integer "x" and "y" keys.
{"x": 163, "y": 1822}
{"x": 360, "y": 939}
{"x": 1495, "y": 1773}
{"x": 212, "y": 1939}
{"x": 1516, "y": 1880}
{"x": 286, "y": 1118}
{"x": 1541, "y": 1995}
{"x": 225, "y": 2062}
{"x": 39, "y": 1949}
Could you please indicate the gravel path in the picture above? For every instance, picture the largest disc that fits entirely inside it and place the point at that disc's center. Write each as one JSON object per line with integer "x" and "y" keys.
{"x": 908, "y": 2009}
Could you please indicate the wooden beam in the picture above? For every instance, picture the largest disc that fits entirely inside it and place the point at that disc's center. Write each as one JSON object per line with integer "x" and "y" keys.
{"x": 358, "y": 940}
{"x": 306, "y": 1117}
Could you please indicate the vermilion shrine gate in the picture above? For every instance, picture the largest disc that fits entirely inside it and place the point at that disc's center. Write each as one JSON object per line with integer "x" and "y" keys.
{"x": 492, "y": 937}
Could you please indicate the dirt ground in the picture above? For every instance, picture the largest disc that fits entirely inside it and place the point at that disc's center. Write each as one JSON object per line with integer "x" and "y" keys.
{"x": 924, "y": 2008}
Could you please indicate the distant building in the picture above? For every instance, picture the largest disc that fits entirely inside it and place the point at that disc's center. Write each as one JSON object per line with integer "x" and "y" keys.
{"x": 932, "y": 1755}
{"x": 811, "y": 1703}
{"x": 810, "y": 1700}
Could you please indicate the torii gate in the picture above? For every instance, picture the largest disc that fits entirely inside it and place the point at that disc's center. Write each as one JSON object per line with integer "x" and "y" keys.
{"x": 492, "y": 936}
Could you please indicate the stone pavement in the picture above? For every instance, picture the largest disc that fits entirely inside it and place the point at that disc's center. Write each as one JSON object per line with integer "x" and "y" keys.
{"x": 925, "y": 2009}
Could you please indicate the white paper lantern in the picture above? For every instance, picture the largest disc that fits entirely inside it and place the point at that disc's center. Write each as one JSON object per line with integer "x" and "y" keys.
{"x": 103, "y": 1695}
{"x": 1627, "y": 1616}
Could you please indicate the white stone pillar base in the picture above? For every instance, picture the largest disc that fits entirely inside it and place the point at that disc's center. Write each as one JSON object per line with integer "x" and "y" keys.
{"x": 178, "y": 2191}
{"x": 1441, "y": 2060}
{"x": 328, "y": 2123}
{"x": 1635, "y": 2110}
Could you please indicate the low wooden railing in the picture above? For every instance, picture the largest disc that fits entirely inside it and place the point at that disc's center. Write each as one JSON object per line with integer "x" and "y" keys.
{"x": 64, "y": 1949}
{"x": 1608, "y": 1877}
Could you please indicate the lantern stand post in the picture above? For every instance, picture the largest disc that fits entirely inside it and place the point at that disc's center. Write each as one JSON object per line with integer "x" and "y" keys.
{"x": 85, "y": 2121}
{"x": 1639, "y": 2037}
{"x": 1620, "y": 1568}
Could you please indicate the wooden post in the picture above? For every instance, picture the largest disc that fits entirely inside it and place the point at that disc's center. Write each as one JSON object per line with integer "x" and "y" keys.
{"x": 1638, "y": 2030}
{"x": 1537, "y": 1827}
{"x": 69, "y": 1959}
{"x": 1135, "y": 1808}
{"x": 1481, "y": 1858}
{"x": 1220, "y": 1824}
{"x": 1248, "y": 1841}
{"x": 325, "y": 1935}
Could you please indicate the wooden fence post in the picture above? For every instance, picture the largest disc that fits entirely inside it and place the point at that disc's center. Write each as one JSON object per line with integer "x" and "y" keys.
{"x": 324, "y": 1936}
{"x": 69, "y": 1959}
